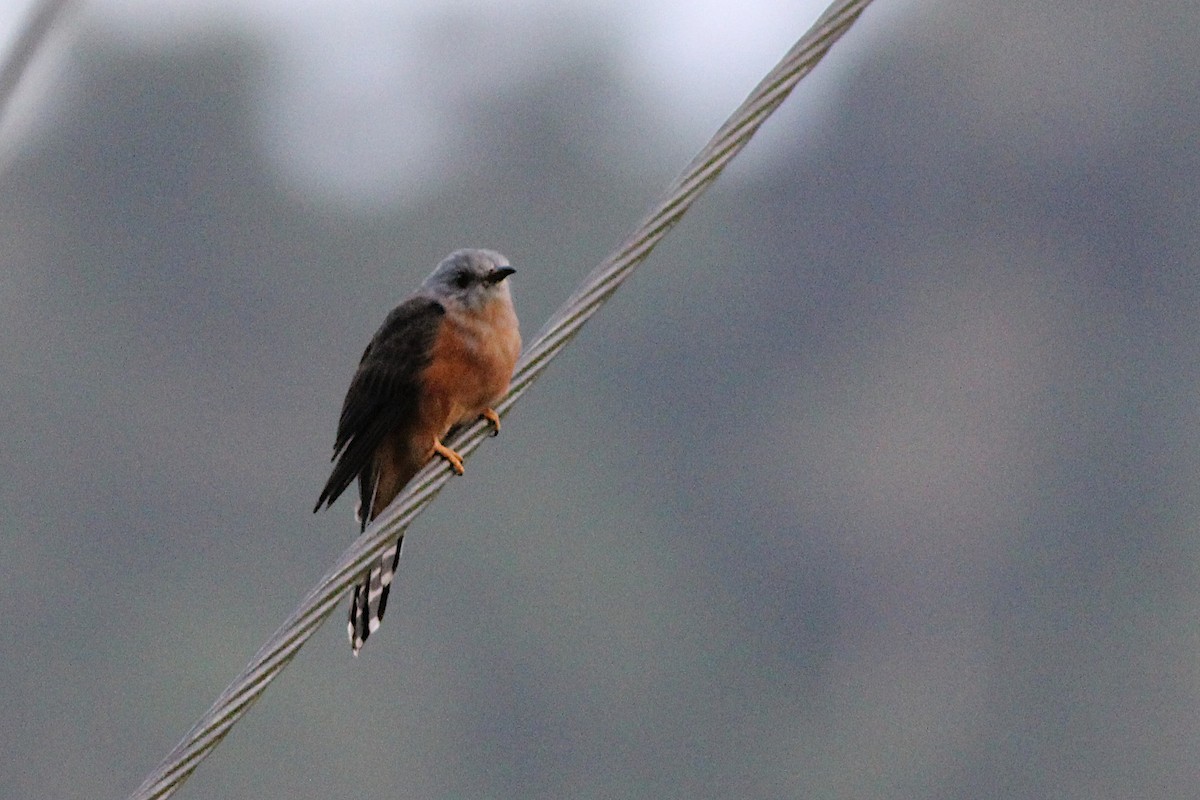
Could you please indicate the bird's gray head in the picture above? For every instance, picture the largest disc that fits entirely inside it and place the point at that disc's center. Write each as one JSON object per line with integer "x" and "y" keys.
{"x": 472, "y": 277}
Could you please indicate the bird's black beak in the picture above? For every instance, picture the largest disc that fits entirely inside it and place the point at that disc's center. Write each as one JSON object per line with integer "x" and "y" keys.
{"x": 499, "y": 274}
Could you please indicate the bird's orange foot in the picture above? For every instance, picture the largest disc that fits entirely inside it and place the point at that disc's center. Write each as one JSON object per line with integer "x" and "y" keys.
{"x": 445, "y": 452}
{"x": 493, "y": 419}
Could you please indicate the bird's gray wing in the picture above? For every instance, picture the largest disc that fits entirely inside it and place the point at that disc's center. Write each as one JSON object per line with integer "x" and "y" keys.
{"x": 383, "y": 395}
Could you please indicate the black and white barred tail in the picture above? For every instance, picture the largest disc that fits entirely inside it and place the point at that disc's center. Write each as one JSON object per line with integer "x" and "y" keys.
{"x": 370, "y": 597}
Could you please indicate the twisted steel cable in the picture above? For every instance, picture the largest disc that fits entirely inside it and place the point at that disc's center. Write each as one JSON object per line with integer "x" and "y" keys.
{"x": 562, "y": 326}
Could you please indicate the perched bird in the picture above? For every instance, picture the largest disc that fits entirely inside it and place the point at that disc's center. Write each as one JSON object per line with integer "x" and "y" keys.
{"x": 442, "y": 358}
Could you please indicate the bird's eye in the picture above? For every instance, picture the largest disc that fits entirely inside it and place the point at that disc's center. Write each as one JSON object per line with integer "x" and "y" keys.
{"x": 462, "y": 281}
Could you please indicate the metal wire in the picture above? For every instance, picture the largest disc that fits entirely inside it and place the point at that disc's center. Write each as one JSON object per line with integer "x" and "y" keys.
{"x": 40, "y": 22}
{"x": 562, "y": 326}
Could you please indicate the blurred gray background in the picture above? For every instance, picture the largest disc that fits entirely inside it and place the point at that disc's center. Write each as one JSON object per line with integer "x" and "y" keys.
{"x": 878, "y": 480}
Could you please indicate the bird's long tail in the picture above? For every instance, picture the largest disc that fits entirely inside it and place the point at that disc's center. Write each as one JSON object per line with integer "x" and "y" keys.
{"x": 371, "y": 596}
